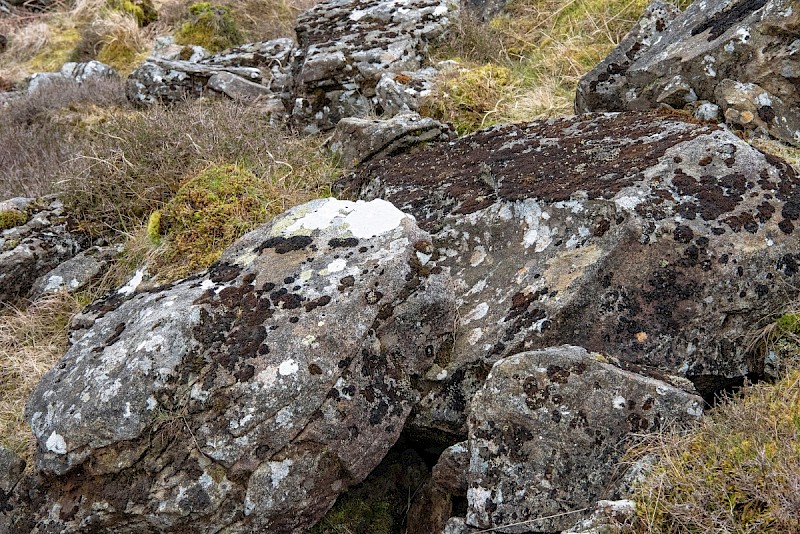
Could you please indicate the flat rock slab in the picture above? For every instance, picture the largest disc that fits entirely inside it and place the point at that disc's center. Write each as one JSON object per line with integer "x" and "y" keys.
{"x": 546, "y": 433}
{"x": 740, "y": 55}
{"x": 642, "y": 236}
{"x": 250, "y": 396}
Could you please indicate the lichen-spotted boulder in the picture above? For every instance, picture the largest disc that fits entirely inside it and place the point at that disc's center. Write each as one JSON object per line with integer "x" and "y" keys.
{"x": 740, "y": 55}
{"x": 642, "y": 236}
{"x": 546, "y": 433}
{"x": 247, "y": 397}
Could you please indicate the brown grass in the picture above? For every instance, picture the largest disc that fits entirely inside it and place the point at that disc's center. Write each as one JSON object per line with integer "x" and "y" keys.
{"x": 31, "y": 341}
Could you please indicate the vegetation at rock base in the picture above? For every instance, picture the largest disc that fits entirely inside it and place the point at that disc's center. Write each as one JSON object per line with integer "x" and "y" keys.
{"x": 11, "y": 218}
{"x": 210, "y": 26}
{"x": 739, "y": 472}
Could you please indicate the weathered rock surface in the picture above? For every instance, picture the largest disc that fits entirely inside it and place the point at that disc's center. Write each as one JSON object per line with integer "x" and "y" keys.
{"x": 641, "y": 236}
{"x": 248, "y": 397}
{"x": 346, "y": 46}
{"x": 11, "y": 469}
{"x": 357, "y": 140}
{"x": 78, "y": 272}
{"x": 41, "y": 241}
{"x": 403, "y": 92}
{"x": 257, "y": 70}
{"x": 546, "y": 432}
{"x": 740, "y": 55}
{"x": 74, "y": 72}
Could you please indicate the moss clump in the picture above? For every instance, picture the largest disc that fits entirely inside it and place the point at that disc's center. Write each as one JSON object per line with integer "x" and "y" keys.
{"x": 154, "y": 227}
{"x": 142, "y": 10}
{"x": 209, "y": 212}
{"x": 789, "y": 323}
{"x": 356, "y": 516}
{"x": 122, "y": 56}
{"x": 738, "y": 473}
{"x": 57, "y": 51}
{"x": 12, "y": 218}
{"x": 212, "y": 27}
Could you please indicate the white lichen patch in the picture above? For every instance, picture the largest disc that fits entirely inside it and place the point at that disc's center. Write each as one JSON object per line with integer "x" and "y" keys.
{"x": 479, "y": 312}
{"x": 618, "y": 402}
{"x": 55, "y": 443}
{"x": 279, "y": 471}
{"x": 288, "y": 367}
{"x": 133, "y": 283}
{"x": 360, "y": 219}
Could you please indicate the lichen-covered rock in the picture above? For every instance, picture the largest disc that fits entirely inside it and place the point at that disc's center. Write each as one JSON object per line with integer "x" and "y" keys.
{"x": 608, "y": 516}
{"x": 346, "y": 46}
{"x": 76, "y": 273}
{"x": 244, "y": 73}
{"x": 75, "y": 72}
{"x": 546, "y": 432}
{"x": 247, "y": 397}
{"x": 357, "y": 140}
{"x": 403, "y": 92}
{"x": 740, "y": 55}
{"x": 11, "y": 469}
{"x": 641, "y": 236}
{"x": 40, "y": 239}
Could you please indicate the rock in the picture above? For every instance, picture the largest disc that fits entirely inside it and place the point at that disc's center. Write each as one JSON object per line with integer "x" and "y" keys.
{"x": 40, "y": 241}
{"x": 738, "y": 55}
{"x": 346, "y": 46}
{"x": 3, "y": 43}
{"x": 358, "y": 140}
{"x": 546, "y": 432}
{"x": 11, "y": 469}
{"x": 256, "y": 70}
{"x": 484, "y": 9}
{"x": 72, "y": 72}
{"x": 450, "y": 471}
{"x": 608, "y": 516}
{"x": 403, "y": 92}
{"x": 76, "y": 273}
{"x": 165, "y": 47}
{"x": 248, "y": 397}
{"x": 628, "y": 234}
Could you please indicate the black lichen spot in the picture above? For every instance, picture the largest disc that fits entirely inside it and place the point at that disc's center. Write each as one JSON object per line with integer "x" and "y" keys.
{"x": 316, "y": 303}
{"x": 282, "y": 245}
{"x": 222, "y": 272}
{"x": 373, "y": 296}
{"x": 339, "y": 242}
{"x": 344, "y": 283}
{"x": 294, "y": 319}
{"x": 116, "y": 334}
{"x": 285, "y": 300}
{"x": 789, "y": 264}
{"x": 558, "y": 374}
{"x": 244, "y": 374}
{"x": 314, "y": 369}
{"x": 766, "y": 113}
{"x": 683, "y": 234}
{"x": 721, "y": 21}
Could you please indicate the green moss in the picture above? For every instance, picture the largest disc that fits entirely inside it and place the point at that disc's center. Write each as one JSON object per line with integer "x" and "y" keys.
{"x": 121, "y": 55}
{"x": 789, "y": 323}
{"x": 57, "y": 51}
{"x": 12, "y": 218}
{"x": 353, "y": 515}
{"x": 154, "y": 227}
{"x": 212, "y": 27}
{"x": 142, "y": 10}
{"x": 209, "y": 212}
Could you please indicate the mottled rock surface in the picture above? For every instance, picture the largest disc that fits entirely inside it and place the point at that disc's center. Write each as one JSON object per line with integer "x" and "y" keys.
{"x": 641, "y": 236}
{"x": 403, "y": 92}
{"x": 738, "y": 54}
{"x": 76, "y": 273}
{"x": 346, "y": 46}
{"x": 247, "y": 397}
{"x": 72, "y": 72}
{"x": 357, "y": 140}
{"x": 546, "y": 432}
{"x": 252, "y": 71}
{"x": 42, "y": 239}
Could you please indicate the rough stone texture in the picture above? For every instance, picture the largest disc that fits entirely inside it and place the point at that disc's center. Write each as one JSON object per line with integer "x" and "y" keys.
{"x": 11, "y": 468}
{"x": 608, "y": 516}
{"x": 738, "y": 54}
{"x": 403, "y": 92}
{"x": 641, "y": 236}
{"x": 359, "y": 140}
{"x": 248, "y": 397}
{"x": 546, "y": 432}
{"x": 166, "y": 48}
{"x": 244, "y": 73}
{"x": 346, "y": 46}
{"x": 484, "y": 9}
{"x": 76, "y": 72}
{"x": 30, "y": 250}
{"x": 76, "y": 273}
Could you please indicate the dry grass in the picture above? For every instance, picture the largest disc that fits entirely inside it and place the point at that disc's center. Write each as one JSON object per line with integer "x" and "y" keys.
{"x": 31, "y": 341}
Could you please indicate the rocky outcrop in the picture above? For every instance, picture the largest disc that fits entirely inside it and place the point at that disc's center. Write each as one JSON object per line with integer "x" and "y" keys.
{"x": 78, "y": 272}
{"x": 256, "y": 71}
{"x": 738, "y": 55}
{"x": 249, "y": 396}
{"x": 72, "y": 72}
{"x": 546, "y": 432}
{"x": 357, "y": 140}
{"x": 345, "y": 46}
{"x": 34, "y": 239}
{"x": 641, "y": 236}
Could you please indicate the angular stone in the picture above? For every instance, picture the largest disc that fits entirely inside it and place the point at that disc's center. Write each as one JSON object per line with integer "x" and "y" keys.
{"x": 11, "y": 469}
{"x": 76, "y": 273}
{"x": 236, "y": 87}
{"x": 247, "y": 397}
{"x": 358, "y": 140}
{"x": 712, "y": 47}
{"x": 403, "y": 92}
{"x": 546, "y": 433}
{"x": 628, "y": 234}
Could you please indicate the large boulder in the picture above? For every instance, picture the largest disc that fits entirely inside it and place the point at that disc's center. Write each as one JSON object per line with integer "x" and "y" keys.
{"x": 738, "y": 55}
{"x": 546, "y": 433}
{"x": 346, "y": 46}
{"x": 248, "y": 397}
{"x": 35, "y": 237}
{"x": 641, "y": 236}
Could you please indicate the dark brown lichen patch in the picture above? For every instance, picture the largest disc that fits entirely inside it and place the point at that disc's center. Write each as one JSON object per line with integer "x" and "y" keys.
{"x": 720, "y": 22}
{"x": 548, "y": 160}
{"x": 282, "y": 245}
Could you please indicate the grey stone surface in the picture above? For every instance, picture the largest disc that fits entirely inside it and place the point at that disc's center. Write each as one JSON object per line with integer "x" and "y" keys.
{"x": 247, "y": 397}
{"x": 403, "y": 92}
{"x": 357, "y": 140}
{"x": 740, "y": 55}
{"x": 628, "y": 234}
{"x": 11, "y": 469}
{"x": 76, "y": 273}
{"x": 546, "y": 432}
{"x": 72, "y": 72}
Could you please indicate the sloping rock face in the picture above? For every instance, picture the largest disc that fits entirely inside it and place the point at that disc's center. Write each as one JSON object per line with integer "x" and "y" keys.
{"x": 546, "y": 433}
{"x": 345, "y": 46}
{"x": 253, "y": 71}
{"x": 640, "y": 236}
{"x": 72, "y": 72}
{"x": 42, "y": 240}
{"x": 738, "y": 54}
{"x": 248, "y": 397}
